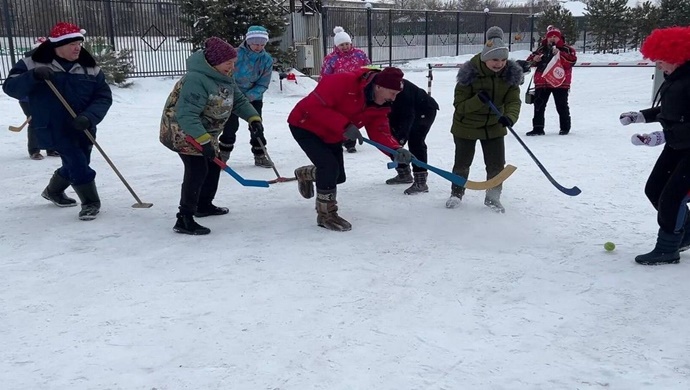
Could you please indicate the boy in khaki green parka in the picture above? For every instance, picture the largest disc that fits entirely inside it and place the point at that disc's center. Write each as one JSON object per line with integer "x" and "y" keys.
{"x": 487, "y": 76}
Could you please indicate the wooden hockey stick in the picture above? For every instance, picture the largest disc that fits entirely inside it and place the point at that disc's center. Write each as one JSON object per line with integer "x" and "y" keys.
{"x": 450, "y": 176}
{"x": 278, "y": 179}
{"x": 17, "y": 129}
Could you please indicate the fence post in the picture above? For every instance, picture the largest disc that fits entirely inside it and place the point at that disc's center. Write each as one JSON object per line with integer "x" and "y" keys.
{"x": 369, "y": 40}
{"x": 486, "y": 22}
{"x": 8, "y": 29}
{"x": 426, "y": 34}
{"x": 510, "y": 33}
{"x": 531, "y": 32}
{"x": 390, "y": 37}
{"x": 457, "y": 34}
{"x": 324, "y": 28}
{"x": 109, "y": 23}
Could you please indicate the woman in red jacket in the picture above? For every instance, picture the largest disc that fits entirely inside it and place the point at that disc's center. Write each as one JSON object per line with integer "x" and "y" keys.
{"x": 550, "y": 46}
{"x": 336, "y": 109}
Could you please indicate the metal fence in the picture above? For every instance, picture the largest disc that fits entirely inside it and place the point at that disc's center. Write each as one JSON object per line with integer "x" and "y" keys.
{"x": 151, "y": 29}
{"x": 390, "y": 36}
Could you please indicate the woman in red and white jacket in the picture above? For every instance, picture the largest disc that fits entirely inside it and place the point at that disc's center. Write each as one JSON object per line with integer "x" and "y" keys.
{"x": 549, "y": 47}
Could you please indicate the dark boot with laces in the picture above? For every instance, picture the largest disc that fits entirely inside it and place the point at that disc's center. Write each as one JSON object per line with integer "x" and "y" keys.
{"x": 55, "y": 191}
{"x": 187, "y": 225}
{"x": 404, "y": 176}
{"x": 260, "y": 158}
{"x": 419, "y": 186}
{"x": 224, "y": 151}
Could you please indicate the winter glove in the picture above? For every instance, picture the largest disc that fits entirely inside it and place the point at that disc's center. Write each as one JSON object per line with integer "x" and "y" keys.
{"x": 484, "y": 97}
{"x": 505, "y": 121}
{"x": 208, "y": 151}
{"x": 654, "y": 138}
{"x": 256, "y": 130}
{"x": 353, "y": 134}
{"x": 43, "y": 73}
{"x": 554, "y": 50}
{"x": 627, "y": 118}
{"x": 403, "y": 156}
{"x": 81, "y": 123}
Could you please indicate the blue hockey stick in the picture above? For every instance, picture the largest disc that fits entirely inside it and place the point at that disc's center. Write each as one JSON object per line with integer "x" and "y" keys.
{"x": 568, "y": 191}
{"x": 450, "y": 176}
{"x": 230, "y": 171}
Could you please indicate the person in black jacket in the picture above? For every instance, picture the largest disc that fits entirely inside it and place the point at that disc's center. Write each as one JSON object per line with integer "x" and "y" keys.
{"x": 668, "y": 186}
{"x": 412, "y": 114}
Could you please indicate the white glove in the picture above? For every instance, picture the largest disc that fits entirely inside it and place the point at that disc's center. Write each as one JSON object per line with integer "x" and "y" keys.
{"x": 627, "y": 118}
{"x": 554, "y": 50}
{"x": 655, "y": 138}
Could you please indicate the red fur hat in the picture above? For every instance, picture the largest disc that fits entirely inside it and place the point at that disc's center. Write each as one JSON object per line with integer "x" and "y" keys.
{"x": 670, "y": 44}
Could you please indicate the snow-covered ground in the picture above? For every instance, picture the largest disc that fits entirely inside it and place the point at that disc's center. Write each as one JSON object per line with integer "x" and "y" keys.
{"x": 416, "y": 296}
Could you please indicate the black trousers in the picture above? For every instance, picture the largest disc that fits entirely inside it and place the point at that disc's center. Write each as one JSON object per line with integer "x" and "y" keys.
{"x": 200, "y": 183}
{"x": 668, "y": 186}
{"x": 328, "y": 158}
{"x": 229, "y": 135}
{"x": 416, "y": 138}
{"x": 560, "y": 97}
{"x": 31, "y": 137}
{"x": 494, "y": 158}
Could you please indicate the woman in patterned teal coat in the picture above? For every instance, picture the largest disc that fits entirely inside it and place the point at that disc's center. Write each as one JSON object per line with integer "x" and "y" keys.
{"x": 198, "y": 106}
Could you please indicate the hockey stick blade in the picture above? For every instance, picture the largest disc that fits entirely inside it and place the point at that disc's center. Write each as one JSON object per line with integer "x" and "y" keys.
{"x": 450, "y": 176}
{"x": 282, "y": 180}
{"x": 574, "y": 191}
{"x": 19, "y": 128}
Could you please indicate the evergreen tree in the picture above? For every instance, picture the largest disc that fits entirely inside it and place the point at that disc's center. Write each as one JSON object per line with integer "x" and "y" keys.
{"x": 556, "y": 15}
{"x": 230, "y": 19}
{"x": 642, "y": 20}
{"x": 674, "y": 12}
{"x": 116, "y": 65}
{"x": 607, "y": 21}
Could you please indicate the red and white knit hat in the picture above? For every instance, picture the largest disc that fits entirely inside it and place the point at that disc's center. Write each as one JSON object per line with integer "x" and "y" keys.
{"x": 63, "y": 33}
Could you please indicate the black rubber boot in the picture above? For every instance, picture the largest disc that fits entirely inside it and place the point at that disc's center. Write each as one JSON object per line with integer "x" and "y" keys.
{"x": 665, "y": 251}
{"x": 55, "y": 191}
{"x": 90, "y": 202}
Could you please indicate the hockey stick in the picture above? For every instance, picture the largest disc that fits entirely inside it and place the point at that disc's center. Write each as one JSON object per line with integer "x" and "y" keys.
{"x": 278, "y": 179}
{"x": 17, "y": 129}
{"x": 450, "y": 176}
{"x": 574, "y": 191}
{"x": 139, "y": 204}
{"x": 226, "y": 168}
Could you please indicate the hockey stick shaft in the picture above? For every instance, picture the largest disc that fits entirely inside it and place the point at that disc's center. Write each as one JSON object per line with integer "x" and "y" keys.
{"x": 17, "y": 129}
{"x": 226, "y": 168}
{"x": 278, "y": 179}
{"x": 574, "y": 191}
{"x": 139, "y": 203}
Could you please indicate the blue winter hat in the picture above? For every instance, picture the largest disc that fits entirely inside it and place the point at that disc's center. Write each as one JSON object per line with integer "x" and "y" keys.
{"x": 256, "y": 35}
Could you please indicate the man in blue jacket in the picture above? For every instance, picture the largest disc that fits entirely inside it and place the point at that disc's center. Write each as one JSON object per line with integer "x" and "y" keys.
{"x": 73, "y": 71}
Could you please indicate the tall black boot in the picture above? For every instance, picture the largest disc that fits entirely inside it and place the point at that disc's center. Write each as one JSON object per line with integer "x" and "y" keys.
{"x": 90, "y": 202}
{"x": 565, "y": 125}
{"x": 327, "y": 212}
{"x": 55, "y": 191}
{"x": 665, "y": 251}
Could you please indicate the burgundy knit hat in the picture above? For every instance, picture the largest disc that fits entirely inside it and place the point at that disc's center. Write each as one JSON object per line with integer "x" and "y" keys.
{"x": 218, "y": 51}
{"x": 391, "y": 78}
